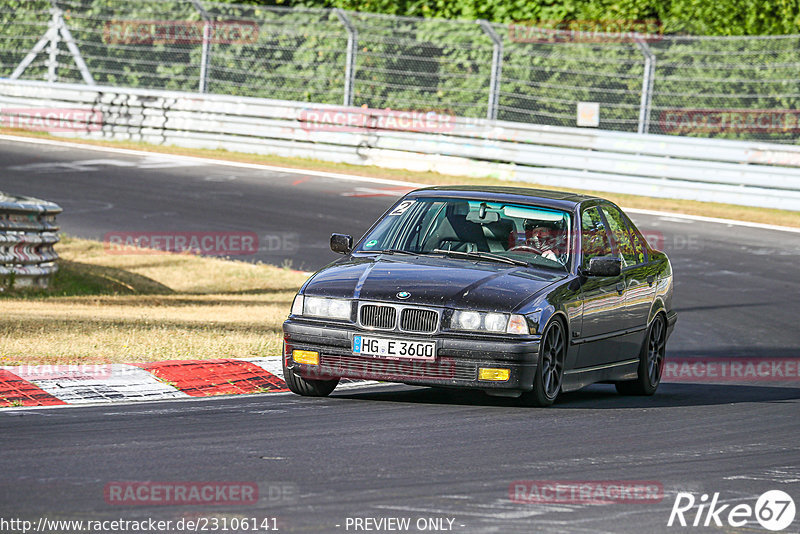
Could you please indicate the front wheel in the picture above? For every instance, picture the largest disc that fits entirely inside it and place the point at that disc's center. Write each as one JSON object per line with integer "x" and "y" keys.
{"x": 306, "y": 386}
{"x": 550, "y": 370}
{"x": 651, "y": 361}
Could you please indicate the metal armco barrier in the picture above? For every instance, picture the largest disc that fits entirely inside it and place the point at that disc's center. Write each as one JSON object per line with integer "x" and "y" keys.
{"x": 734, "y": 172}
{"x": 28, "y": 232}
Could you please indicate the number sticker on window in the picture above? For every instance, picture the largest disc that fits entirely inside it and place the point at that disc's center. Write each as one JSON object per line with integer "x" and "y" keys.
{"x": 402, "y": 207}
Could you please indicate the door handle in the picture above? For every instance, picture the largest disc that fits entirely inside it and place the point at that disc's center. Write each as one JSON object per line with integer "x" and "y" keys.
{"x": 620, "y": 287}
{"x": 650, "y": 280}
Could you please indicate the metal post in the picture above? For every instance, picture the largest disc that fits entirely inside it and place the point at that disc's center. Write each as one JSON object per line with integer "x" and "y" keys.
{"x": 205, "y": 52}
{"x": 66, "y": 35}
{"x": 497, "y": 66}
{"x": 350, "y": 59}
{"x": 57, "y": 27}
{"x": 647, "y": 86}
{"x": 38, "y": 47}
{"x": 52, "y": 59}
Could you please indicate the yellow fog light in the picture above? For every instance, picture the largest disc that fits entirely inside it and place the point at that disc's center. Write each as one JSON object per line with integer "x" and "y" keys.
{"x": 308, "y": 357}
{"x": 497, "y": 375}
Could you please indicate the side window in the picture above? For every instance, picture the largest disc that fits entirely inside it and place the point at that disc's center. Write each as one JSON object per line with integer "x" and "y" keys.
{"x": 594, "y": 238}
{"x": 628, "y": 243}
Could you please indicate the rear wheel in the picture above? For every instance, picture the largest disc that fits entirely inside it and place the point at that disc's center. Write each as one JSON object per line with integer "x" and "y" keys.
{"x": 306, "y": 386}
{"x": 651, "y": 361}
{"x": 550, "y": 370}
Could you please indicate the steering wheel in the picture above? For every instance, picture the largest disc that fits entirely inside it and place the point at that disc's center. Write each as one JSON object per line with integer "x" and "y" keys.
{"x": 526, "y": 248}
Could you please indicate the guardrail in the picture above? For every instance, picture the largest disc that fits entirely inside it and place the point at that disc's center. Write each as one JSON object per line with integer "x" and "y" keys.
{"x": 28, "y": 232}
{"x": 735, "y": 172}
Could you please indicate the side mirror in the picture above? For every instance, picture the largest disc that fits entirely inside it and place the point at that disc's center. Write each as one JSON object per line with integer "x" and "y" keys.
{"x": 604, "y": 266}
{"x": 341, "y": 243}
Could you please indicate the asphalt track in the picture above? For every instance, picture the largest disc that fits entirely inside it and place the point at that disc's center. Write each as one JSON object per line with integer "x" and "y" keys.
{"x": 399, "y": 451}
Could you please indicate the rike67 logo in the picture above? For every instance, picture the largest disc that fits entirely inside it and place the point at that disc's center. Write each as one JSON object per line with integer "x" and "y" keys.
{"x": 774, "y": 510}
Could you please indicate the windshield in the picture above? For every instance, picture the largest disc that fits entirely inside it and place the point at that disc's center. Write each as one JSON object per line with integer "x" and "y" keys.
{"x": 467, "y": 228}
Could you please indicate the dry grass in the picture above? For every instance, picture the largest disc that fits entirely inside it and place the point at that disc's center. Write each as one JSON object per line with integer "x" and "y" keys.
{"x": 707, "y": 209}
{"x": 136, "y": 308}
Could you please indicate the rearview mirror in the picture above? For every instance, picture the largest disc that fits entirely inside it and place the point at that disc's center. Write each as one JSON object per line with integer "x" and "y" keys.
{"x": 488, "y": 217}
{"x": 604, "y": 266}
{"x": 341, "y": 243}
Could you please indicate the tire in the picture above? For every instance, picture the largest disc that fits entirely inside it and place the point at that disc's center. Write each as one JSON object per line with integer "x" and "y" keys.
{"x": 550, "y": 369}
{"x": 307, "y": 387}
{"x": 651, "y": 361}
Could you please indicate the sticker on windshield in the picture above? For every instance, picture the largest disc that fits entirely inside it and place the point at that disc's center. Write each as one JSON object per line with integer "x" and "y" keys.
{"x": 402, "y": 207}
{"x": 371, "y": 243}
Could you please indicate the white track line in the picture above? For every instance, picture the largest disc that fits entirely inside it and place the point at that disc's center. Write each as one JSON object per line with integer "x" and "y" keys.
{"x": 210, "y": 161}
{"x": 701, "y": 218}
{"x": 275, "y": 366}
{"x": 352, "y": 178}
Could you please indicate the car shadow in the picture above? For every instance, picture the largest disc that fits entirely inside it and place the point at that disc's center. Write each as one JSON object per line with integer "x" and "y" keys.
{"x": 594, "y": 397}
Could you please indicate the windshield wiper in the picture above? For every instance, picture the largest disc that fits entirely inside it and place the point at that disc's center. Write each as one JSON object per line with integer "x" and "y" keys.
{"x": 399, "y": 251}
{"x": 482, "y": 256}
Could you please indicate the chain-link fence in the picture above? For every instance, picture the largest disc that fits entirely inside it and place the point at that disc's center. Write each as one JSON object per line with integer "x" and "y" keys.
{"x": 731, "y": 87}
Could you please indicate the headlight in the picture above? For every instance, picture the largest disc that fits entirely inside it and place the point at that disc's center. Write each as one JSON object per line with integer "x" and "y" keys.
{"x": 322, "y": 307}
{"x": 466, "y": 320}
{"x": 339, "y": 308}
{"x": 489, "y": 322}
{"x": 495, "y": 322}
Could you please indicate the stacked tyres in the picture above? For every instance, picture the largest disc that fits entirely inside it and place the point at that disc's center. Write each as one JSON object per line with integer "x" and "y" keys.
{"x": 28, "y": 231}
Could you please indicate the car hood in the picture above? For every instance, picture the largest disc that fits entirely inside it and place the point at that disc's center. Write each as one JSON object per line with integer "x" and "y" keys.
{"x": 431, "y": 281}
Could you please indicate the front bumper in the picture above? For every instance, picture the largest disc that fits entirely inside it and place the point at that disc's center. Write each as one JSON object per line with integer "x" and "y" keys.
{"x": 458, "y": 357}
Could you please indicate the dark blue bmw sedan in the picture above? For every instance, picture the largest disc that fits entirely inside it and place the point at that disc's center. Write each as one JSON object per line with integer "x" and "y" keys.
{"x": 516, "y": 292}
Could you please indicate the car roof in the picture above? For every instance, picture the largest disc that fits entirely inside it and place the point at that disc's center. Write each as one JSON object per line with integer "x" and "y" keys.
{"x": 541, "y": 197}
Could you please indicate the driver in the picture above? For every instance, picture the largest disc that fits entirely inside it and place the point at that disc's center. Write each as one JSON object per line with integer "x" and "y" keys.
{"x": 547, "y": 237}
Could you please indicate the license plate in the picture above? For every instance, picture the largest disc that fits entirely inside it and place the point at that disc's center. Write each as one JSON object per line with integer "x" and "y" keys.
{"x": 394, "y": 348}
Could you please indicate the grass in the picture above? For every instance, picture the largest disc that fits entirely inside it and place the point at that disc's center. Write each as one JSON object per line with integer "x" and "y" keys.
{"x": 108, "y": 308}
{"x": 692, "y": 207}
